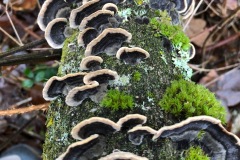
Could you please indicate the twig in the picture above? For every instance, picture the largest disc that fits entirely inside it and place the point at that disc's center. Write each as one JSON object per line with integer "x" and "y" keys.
{"x": 10, "y": 20}
{"x": 23, "y": 48}
{"x": 32, "y": 58}
{"x": 11, "y": 37}
{"x": 24, "y": 110}
{"x": 22, "y": 102}
{"x": 217, "y": 69}
{"x": 13, "y": 136}
{"x": 195, "y": 10}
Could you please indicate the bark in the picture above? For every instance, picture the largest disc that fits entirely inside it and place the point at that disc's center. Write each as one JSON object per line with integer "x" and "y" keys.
{"x": 156, "y": 75}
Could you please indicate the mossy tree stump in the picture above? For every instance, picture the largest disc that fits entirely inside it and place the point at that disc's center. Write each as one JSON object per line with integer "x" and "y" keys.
{"x": 145, "y": 82}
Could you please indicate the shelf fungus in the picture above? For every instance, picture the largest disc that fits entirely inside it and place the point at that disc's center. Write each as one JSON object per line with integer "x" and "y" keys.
{"x": 101, "y": 76}
{"x": 86, "y": 36}
{"x": 111, "y": 7}
{"x": 207, "y": 132}
{"x": 122, "y": 156}
{"x": 136, "y": 134}
{"x": 132, "y": 56}
{"x": 109, "y": 41}
{"x": 89, "y": 7}
{"x": 91, "y": 63}
{"x": 56, "y": 86}
{"x": 96, "y": 19}
{"x": 89, "y": 148}
{"x": 192, "y": 51}
{"x": 78, "y": 94}
{"x": 131, "y": 120}
{"x": 94, "y": 125}
{"x": 185, "y": 7}
{"x": 52, "y": 9}
{"x": 55, "y": 32}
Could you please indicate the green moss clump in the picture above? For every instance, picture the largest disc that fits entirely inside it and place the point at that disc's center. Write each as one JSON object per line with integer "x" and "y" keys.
{"x": 116, "y": 100}
{"x": 196, "y": 153}
{"x": 137, "y": 76}
{"x": 173, "y": 32}
{"x": 186, "y": 99}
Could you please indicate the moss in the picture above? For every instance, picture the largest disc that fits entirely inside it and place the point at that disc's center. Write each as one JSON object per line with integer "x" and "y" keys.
{"x": 137, "y": 76}
{"x": 196, "y": 153}
{"x": 173, "y": 32}
{"x": 117, "y": 100}
{"x": 187, "y": 99}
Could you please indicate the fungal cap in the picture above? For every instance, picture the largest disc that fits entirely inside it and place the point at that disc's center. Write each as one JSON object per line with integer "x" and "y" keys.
{"x": 143, "y": 130}
{"x": 94, "y": 125}
{"x": 181, "y": 5}
{"x": 47, "y": 14}
{"x": 90, "y": 62}
{"x": 86, "y": 36}
{"x": 54, "y": 33}
{"x": 120, "y": 35}
{"x": 96, "y": 19}
{"x": 123, "y": 156}
{"x": 55, "y": 85}
{"x": 196, "y": 119}
{"x": 131, "y": 120}
{"x": 192, "y": 51}
{"x": 189, "y": 11}
{"x": 78, "y": 94}
{"x": 77, "y": 15}
{"x": 132, "y": 55}
{"x": 111, "y": 7}
{"x": 78, "y": 148}
{"x": 101, "y": 76}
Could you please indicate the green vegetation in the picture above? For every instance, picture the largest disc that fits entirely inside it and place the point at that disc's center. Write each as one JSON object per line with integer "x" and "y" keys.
{"x": 186, "y": 99}
{"x": 163, "y": 27}
{"x": 137, "y": 76}
{"x": 40, "y": 73}
{"x": 196, "y": 153}
{"x": 117, "y": 100}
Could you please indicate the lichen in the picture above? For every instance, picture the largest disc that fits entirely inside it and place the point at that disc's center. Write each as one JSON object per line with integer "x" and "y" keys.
{"x": 186, "y": 99}
{"x": 195, "y": 153}
{"x": 117, "y": 100}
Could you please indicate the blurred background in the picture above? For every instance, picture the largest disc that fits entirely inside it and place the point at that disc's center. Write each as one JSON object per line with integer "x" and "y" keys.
{"x": 214, "y": 30}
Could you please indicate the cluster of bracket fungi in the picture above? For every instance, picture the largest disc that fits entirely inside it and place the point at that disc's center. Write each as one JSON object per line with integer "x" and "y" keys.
{"x": 205, "y": 131}
{"x": 98, "y": 22}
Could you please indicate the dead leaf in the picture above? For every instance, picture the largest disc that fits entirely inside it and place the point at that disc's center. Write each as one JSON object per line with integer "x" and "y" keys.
{"x": 198, "y": 33}
{"x": 24, "y": 5}
{"x": 209, "y": 77}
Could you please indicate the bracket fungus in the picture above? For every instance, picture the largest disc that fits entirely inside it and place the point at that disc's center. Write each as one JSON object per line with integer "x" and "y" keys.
{"x": 111, "y": 7}
{"x": 86, "y": 36}
{"x": 96, "y": 19}
{"x": 94, "y": 125}
{"x": 56, "y": 86}
{"x": 109, "y": 41}
{"x": 101, "y": 76}
{"x": 91, "y": 63}
{"x": 89, "y": 7}
{"x": 192, "y": 51}
{"x": 55, "y": 32}
{"x": 132, "y": 56}
{"x": 86, "y": 149}
{"x": 122, "y": 156}
{"x": 137, "y": 133}
{"x": 52, "y": 9}
{"x": 79, "y": 94}
{"x": 185, "y": 7}
{"x": 131, "y": 120}
{"x": 207, "y": 132}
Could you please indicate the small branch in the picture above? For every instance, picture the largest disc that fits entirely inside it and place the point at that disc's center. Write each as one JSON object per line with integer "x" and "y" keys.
{"x": 24, "y": 110}
{"x": 23, "y": 48}
{"x": 32, "y": 58}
